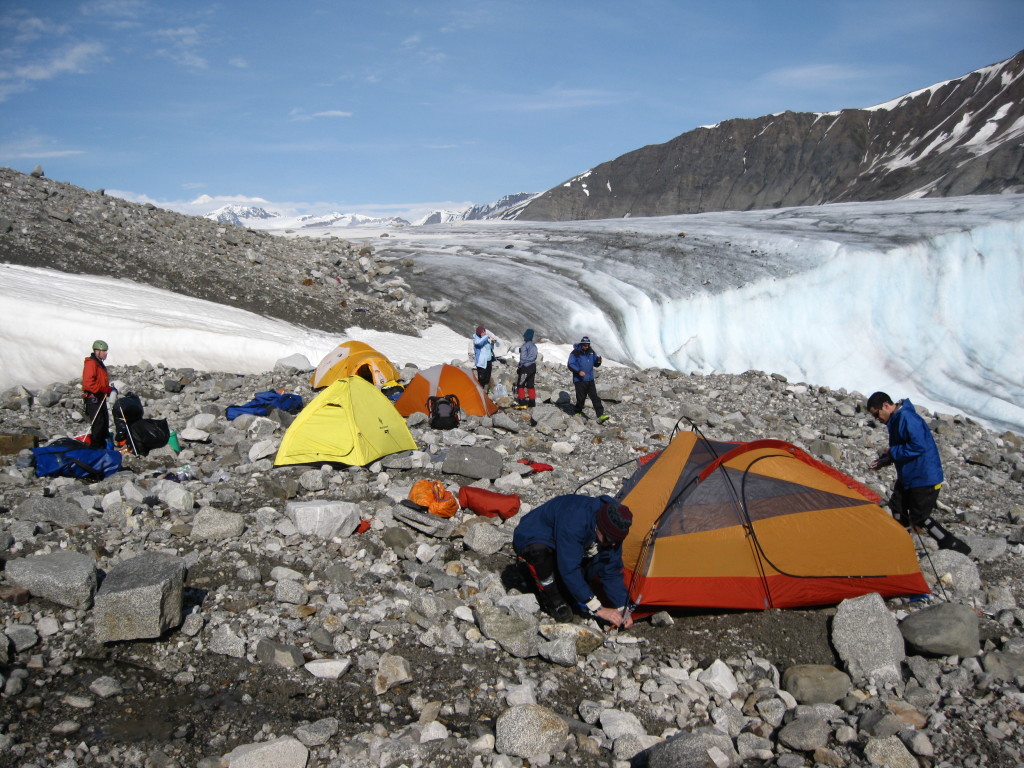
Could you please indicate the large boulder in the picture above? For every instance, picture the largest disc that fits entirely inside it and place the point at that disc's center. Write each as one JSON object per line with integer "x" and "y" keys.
{"x": 65, "y": 578}
{"x": 140, "y": 598}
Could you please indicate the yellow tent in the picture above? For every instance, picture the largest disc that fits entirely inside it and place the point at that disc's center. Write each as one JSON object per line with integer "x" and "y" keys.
{"x": 354, "y": 358}
{"x": 350, "y": 422}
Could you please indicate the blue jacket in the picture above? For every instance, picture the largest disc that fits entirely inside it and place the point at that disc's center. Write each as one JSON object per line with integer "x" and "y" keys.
{"x": 583, "y": 361}
{"x": 913, "y": 449}
{"x": 483, "y": 350}
{"x": 568, "y": 524}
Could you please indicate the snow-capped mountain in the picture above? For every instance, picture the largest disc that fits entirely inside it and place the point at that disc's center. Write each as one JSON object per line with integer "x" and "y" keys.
{"x": 959, "y": 137}
{"x": 335, "y": 219}
{"x": 242, "y": 215}
{"x": 255, "y": 217}
{"x": 496, "y": 210}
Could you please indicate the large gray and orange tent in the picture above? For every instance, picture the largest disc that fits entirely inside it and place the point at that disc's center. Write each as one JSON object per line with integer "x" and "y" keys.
{"x": 354, "y": 358}
{"x": 445, "y": 380}
{"x": 755, "y": 526}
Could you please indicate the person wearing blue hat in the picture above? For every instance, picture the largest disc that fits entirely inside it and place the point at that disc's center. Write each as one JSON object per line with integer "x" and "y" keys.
{"x": 582, "y": 362}
{"x": 526, "y": 394}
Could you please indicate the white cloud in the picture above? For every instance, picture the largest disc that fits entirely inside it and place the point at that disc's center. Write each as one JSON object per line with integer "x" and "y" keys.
{"x": 815, "y": 76}
{"x": 332, "y": 113}
{"x": 238, "y": 62}
{"x": 184, "y": 45}
{"x": 556, "y": 98}
{"x": 76, "y": 59}
{"x": 37, "y": 147}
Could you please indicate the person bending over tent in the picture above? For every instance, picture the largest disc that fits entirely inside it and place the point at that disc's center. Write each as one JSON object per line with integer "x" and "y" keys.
{"x": 576, "y": 540}
{"x": 918, "y": 468}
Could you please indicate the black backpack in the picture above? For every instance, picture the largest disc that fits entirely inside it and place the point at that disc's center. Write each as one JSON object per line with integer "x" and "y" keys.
{"x": 444, "y": 411}
{"x": 147, "y": 435}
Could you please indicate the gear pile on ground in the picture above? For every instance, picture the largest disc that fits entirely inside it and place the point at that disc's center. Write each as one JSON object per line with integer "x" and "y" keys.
{"x": 206, "y": 608}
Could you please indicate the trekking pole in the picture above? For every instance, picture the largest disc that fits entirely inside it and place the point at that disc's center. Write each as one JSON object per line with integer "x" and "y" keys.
{"x": 103, "y": 404}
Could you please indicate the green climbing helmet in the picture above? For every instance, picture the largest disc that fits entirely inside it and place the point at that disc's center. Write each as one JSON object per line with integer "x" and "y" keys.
{"x": 100, "y": 345}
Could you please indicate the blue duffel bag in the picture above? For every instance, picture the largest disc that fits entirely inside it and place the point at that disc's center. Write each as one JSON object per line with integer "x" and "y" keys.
{"x": 70, "y": 458}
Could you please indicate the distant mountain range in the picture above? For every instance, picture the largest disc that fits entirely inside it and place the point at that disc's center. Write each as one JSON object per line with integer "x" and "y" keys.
{"x": 256, "y": 217}
{"x": 504, "y": 208}
{"x": 959, "y": 137}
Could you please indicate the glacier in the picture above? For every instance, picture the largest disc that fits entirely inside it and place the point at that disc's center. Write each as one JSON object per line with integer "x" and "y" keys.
{"x": 920, "y": 298}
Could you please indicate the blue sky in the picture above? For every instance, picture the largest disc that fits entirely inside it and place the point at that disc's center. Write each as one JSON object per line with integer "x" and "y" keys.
{"x": 399, "y": 107}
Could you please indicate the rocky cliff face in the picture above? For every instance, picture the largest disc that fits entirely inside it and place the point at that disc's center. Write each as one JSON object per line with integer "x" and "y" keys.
{"x": 960, "y": 137}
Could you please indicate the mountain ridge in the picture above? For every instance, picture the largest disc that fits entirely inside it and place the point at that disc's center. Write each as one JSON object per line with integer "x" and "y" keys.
{"x": 957, "y": 137}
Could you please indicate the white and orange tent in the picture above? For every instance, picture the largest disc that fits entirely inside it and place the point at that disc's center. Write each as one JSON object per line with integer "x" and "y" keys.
{"x": 443, "y": 380}
{"x": 354, "y": 358}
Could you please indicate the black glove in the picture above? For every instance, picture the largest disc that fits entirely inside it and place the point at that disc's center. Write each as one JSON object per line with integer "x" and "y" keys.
{"x": 883, "y": 460}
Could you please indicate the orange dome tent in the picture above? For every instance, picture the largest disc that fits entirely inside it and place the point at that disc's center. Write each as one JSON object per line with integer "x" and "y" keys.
{"x": 445, "y": 380}
{"x": 354, "y": 358}
{"x": 755, "y": 526}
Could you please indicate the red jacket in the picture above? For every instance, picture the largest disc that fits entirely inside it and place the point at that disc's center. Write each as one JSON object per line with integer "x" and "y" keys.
{"x": 95, "y": 380}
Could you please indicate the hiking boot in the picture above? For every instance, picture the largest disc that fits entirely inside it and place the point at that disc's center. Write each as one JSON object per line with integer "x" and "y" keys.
{"x": 531, "y": 403}
{"x": 553, "y": 602}
{"x": 603, "y": 418}
{"x": 955, "y": 544}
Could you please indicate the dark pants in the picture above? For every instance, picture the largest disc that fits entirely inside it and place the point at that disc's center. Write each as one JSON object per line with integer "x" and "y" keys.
{"x": 585, "y": 389}
{"x": 912, "y": 506}
{"x": 96, "y": 413}
{"x": 483, "y": 375}
{"x": 915, "y": 507}
{"x": 526, "y": 383}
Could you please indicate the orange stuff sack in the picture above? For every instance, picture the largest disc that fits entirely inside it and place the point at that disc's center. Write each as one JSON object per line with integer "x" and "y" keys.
{"x": 432, "y": 495}
{"x": 489, "y": 503}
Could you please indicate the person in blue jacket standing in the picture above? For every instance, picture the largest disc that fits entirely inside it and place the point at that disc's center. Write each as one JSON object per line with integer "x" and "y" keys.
{"x": 919, "y": 475}
{"x": 574, "y": 541}
{"x": 582, "y": 362}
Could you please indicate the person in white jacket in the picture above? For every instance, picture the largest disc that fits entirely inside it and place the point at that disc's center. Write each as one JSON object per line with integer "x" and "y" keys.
{"x": 483, "y": 355}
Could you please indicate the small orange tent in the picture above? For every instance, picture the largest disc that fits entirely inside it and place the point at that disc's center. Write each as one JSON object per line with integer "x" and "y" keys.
{"x": 445, "y": 380}
{"x": 757, "y": 525}
{"x": 354, "y": 358}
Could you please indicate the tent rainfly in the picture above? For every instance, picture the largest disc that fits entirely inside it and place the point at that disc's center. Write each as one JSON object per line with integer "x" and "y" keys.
{"x": 445, "y": 380}
{"x": 755, "y": 526}
{"x": 350, "y": 422}
{"x": 354, "y": 358}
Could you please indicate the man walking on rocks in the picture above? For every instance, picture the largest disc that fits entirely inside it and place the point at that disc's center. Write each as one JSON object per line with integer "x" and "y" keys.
{"x": 96, "y": 390}
{"x": 575, "y": 541}
{"x": 582, "y": 362}
{"x": 919, "y": 475}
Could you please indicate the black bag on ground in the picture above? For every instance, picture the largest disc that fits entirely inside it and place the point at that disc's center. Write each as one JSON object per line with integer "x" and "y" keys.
{"x": 147, "y": 435}
{"x": 444, "y": 411}
{"x": 127, "y": 410}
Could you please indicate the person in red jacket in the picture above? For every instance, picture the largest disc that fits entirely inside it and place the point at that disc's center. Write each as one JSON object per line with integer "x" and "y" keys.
{"x": 96, "y": 390}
